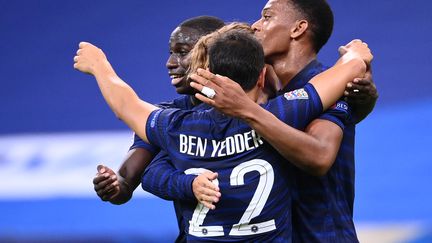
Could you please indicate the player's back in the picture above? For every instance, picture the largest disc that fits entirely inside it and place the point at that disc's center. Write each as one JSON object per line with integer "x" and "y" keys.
{"x": 254, "y": 180}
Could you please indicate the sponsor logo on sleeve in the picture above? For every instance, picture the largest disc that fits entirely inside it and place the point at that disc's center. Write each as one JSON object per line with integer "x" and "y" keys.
{"x": 340, "y": 106}
{"x": 154, "y": 118}
{"x": 298, "y": 94}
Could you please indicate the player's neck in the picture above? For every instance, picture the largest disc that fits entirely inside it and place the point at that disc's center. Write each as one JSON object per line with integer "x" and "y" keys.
{"x": 288, "y": 66}
{"x": 194, "y": 100}
{"x": 255, "y": 94}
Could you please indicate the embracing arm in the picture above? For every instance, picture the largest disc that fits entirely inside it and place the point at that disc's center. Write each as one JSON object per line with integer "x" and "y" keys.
{"x": 162, "y": 179}
{"x": 121, "y": 98}
{"x": 313, "y": 151}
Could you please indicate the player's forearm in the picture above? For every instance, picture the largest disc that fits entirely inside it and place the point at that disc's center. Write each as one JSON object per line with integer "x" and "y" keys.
{"x": 294, "y": 145}
{"x": 168, "y": 183}
{"x": 115, "y": 91}
{"x": 130, "y": 172}
{"x": 123, "y": 100}
{"x": 331, "y": 84}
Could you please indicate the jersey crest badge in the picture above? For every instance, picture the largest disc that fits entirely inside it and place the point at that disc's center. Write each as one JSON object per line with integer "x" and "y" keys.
{"x": 298, "y": 94}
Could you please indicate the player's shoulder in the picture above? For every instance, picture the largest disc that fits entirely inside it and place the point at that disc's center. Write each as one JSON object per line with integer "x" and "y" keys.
{"x": 307, "y": 92}
{"x": 183, "y": 102}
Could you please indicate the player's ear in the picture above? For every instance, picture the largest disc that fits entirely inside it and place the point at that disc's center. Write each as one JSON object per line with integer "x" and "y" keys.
{"x": 261, "y": 78}
{"x": 299, "y": 28}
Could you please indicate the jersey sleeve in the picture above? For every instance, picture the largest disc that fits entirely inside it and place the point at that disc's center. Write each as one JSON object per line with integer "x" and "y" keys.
{"x": 339, "y": 113}
{"x": 162, "y": 179}
{"x": 296, "y": 108}
{"x": 157, "y": 124}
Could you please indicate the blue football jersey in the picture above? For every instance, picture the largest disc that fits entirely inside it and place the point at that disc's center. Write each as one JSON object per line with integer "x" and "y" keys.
{"x": 255, "y": 181}
{"x": 323, "y": 206}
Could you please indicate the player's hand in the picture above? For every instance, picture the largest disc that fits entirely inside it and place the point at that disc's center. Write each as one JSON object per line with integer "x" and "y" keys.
{"x": 106, "y": 183}
{"x": 230, "y": 97}
{"x": 361, "y": 91}
{"x": 89, "y": 58}
{"x": 205, "y": 191}
{"x": 356, "y": 49}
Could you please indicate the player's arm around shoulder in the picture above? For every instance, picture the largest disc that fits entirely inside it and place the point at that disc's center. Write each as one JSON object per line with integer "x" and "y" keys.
{"x": 293, "y": 144}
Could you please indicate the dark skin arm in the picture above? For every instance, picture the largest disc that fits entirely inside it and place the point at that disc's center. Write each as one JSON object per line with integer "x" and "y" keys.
{"x": 118, "y": 189}
{"x": 361, "y": 94}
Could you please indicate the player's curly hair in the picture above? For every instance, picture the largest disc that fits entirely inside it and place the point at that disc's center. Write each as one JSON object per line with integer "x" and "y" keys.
{"x": 199, "y": 54}
{"x": 231, "y": 51}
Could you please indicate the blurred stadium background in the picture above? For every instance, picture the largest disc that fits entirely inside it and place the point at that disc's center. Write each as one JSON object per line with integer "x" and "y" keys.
{"x": 55, "y": 127}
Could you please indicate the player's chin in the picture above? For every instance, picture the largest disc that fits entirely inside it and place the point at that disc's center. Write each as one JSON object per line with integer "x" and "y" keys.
{"x": 184, "y": 88}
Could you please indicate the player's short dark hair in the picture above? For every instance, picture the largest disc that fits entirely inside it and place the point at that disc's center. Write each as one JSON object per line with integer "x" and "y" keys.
{"x": 237, "y": 55}
{"x": 204, "y": 24}
{"x": 320, "y": 17}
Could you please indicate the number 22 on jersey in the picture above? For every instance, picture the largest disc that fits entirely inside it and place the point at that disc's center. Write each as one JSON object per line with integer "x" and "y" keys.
{"x": 254, "y": 208}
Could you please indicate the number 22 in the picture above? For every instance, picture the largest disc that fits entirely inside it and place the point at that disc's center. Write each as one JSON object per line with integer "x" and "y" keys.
{"x": 254, "y": 208}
